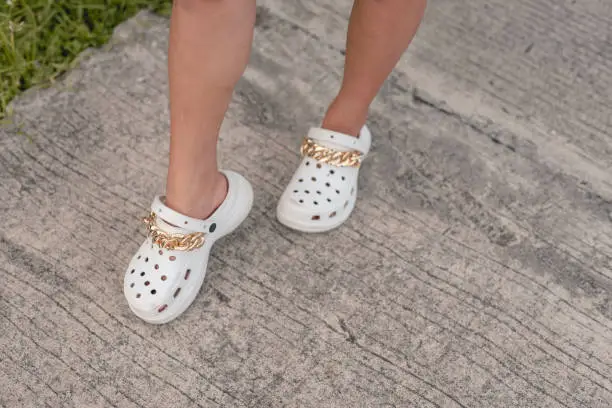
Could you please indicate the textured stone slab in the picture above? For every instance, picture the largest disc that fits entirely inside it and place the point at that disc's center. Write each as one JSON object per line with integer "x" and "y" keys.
{"x": 475, "y": 272}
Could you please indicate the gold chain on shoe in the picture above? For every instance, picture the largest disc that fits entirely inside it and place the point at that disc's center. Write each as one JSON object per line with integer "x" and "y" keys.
{"x": 176, "y": 242}
{"x": 326, "y": 155}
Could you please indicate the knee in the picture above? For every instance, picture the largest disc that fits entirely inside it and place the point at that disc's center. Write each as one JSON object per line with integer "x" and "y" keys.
{"x": 195, "y": 4}
{"x": 409, "y": 3}
{"x": 403, "y": 7}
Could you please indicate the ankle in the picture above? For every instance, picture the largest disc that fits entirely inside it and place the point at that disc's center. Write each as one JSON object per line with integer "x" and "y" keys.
{"x": 345, "y": 117}
{"x": 197, "y": 199}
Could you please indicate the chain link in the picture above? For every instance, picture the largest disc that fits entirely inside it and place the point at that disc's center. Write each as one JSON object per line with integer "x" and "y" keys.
{"x": 177, "y": 242}
{"x": 326, "y": 155}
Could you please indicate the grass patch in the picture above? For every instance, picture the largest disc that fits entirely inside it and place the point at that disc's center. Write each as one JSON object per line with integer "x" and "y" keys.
{"x": 40, "y": 38}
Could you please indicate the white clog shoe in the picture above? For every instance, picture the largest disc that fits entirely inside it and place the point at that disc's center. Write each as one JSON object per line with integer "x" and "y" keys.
{"x": 323, "y": 191}
{"x": 165, "y": 275}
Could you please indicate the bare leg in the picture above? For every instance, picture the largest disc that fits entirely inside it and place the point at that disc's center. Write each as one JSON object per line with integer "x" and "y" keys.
{"x": 210, "y": 42}
{"x": 379, "y": 32}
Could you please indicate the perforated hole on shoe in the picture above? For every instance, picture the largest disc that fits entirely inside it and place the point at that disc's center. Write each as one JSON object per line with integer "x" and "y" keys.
{"x": 332, "y": 215}
{"x": 164, "y": 277}
{"x": 162, "y": 308}
{"x": 316, "y": 217}
{"x": 142, "y": 274}
{"x": 176, "y": 292}
{"x": 153, "y": 291}
{"x": 172, "y": 258}
{"x": 187, "y": 273}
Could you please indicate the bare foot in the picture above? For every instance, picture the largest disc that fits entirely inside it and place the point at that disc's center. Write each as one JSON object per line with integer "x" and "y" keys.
{"x": 200, "y": 200}
{"x": 345, "y": 117}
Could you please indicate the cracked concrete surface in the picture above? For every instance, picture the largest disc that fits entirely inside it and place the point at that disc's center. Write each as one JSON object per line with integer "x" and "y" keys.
{"x": 475, "y": 272}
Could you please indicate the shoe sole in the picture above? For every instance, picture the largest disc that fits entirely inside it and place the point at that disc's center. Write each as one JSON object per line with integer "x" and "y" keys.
{"x": 313, "y": 228}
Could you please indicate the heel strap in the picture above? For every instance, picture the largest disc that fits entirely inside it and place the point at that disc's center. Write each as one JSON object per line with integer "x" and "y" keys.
{"x": 342, "y": 142}
{"x": 177, "y": 219}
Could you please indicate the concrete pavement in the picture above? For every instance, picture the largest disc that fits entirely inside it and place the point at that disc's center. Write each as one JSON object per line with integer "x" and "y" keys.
{"x": 476, "y": 270}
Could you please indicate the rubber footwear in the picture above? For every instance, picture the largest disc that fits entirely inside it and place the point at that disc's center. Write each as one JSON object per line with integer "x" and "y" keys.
{"x": 323, "y": 191}
{"x": 166, "y": 273}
